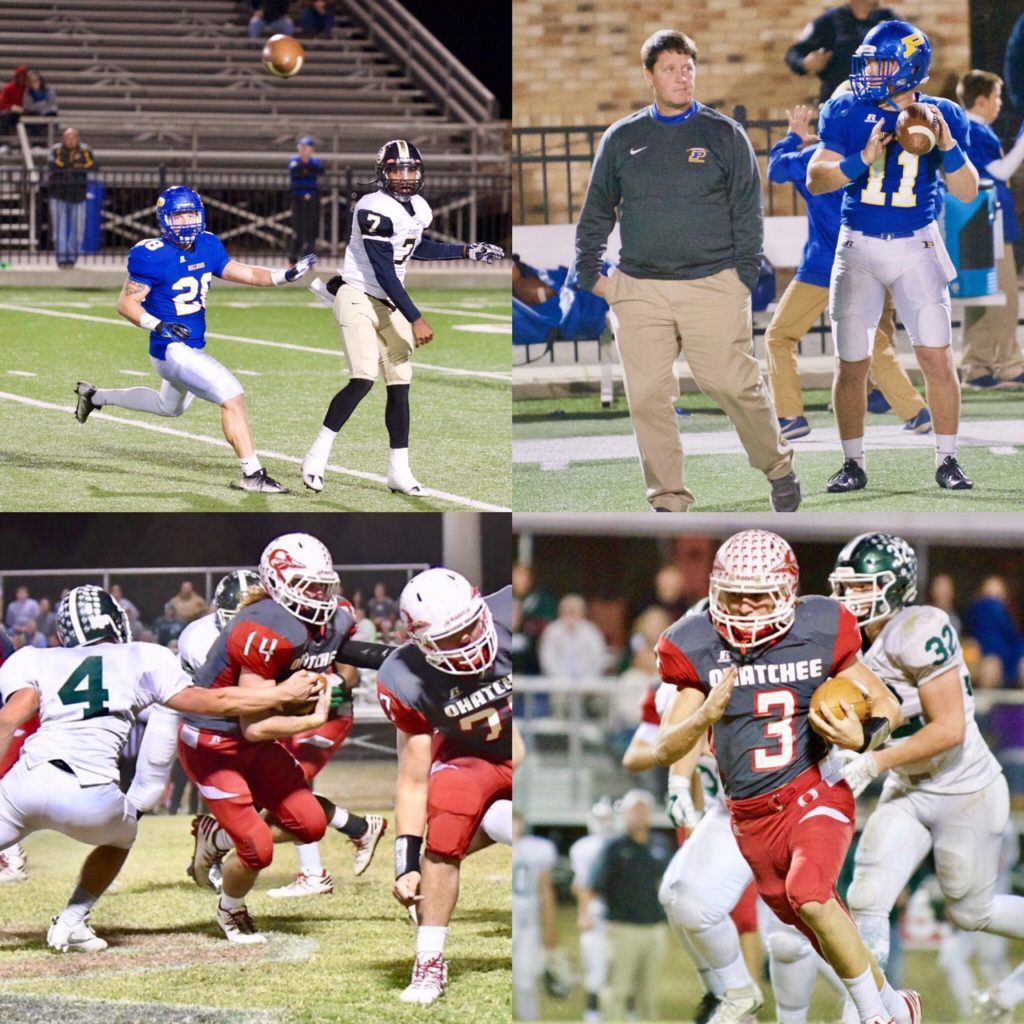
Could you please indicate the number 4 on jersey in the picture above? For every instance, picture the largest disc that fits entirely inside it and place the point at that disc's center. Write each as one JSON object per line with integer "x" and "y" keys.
{"x": 85, "y": 686}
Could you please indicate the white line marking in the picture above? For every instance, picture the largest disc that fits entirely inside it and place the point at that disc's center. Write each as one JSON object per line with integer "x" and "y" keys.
{"x": 448, "y": 370}
{"x": 358, "y": 474}
{"x": 20, "y": 373}
{"x": 506, "y": 317}
{"x": 249, "y": 373}
{"x": 133, "y": 373}
{"x": 484, "y": 328}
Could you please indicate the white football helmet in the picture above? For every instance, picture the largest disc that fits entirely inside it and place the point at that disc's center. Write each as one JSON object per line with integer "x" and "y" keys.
{"x": 297, "y": 571}
{"x": 754, "y": 562}
{"x": 449, "y": 622}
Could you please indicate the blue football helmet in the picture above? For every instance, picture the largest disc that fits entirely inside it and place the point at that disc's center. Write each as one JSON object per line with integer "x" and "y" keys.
{"x": 174, "y": 200}
{"x": 901, "y": 55}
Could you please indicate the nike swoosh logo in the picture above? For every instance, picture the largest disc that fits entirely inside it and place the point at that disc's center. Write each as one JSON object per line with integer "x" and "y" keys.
{"x": 633, "y": 152}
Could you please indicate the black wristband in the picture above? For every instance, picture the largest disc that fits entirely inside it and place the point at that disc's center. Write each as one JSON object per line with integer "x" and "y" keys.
{"x": 876, "y": 732}
{"x": 407, "y": 854}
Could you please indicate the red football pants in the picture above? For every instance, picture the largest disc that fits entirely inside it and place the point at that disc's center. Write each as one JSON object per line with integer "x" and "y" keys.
{"x": 795, "y": 840}
{"x": 458, "y": 795}
{"x": 315, "y": 747}
{"x": 21, "y": 734}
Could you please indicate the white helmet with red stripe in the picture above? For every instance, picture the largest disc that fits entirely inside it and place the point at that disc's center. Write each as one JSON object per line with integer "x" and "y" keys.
{"x": 754, "y": 562}
{"x": 297, "y": 571}
{"x": 449, "y": 622}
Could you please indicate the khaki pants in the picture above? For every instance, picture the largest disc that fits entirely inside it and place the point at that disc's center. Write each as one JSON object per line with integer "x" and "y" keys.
{"x": 712, "y": 318}
{"x": 800, "y": 306}
{"x": 373, "y": 336}
{"x": 635, "y": 954}
{"x": 990, "y": 332}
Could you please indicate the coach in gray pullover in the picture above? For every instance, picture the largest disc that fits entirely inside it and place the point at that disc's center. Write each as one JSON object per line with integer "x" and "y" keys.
{"x": 682, "y": 180}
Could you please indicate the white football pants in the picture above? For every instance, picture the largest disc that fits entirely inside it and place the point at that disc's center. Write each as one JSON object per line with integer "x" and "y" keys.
{"x": 497, "y": 822}
{"x": 527, "y": 968}
{"x": 157, "y": 752}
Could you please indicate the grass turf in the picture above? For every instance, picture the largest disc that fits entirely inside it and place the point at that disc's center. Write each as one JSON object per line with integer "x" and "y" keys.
{"x": 49, "y": 461}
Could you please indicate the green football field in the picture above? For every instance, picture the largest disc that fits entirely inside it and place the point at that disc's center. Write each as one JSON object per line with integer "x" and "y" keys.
{"x": 328, "y": 959}
{"x": 284, "y": 347}
{"x": 572, "y": 455}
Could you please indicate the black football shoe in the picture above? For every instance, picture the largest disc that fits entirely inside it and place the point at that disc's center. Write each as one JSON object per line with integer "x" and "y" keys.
{"x": 259, "y": 482}
{"x": 950, "y": 476}
{"x": 706, "y": 1008}
{"x": 84, "y": 405}
{"x": 850, "y": 478}
{"x": 785, "y": 493}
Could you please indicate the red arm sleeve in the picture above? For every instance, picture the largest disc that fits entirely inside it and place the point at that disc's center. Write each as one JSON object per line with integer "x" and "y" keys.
{"x": 648, "y": 707}
{"x": 847, "y": 645}
{"x": 405, "y": 718}
{"x": 675, "y": 667}
{"x": 255, "y": 648}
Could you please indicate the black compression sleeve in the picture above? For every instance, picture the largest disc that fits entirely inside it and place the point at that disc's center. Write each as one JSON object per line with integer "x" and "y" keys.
{"x": 428, "y": 250}
{"x": 382, "y": 259}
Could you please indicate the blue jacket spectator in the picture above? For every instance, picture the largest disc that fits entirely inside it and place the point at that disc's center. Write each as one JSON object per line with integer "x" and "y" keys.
{"x": 317, "y": 19}
{"x": 989, "y": 621}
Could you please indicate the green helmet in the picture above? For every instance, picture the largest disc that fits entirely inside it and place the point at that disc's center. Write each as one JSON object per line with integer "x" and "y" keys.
{"x": 886, "y": 562}
{"x": 230, "y": 591}
{"x": 89, "y": 614}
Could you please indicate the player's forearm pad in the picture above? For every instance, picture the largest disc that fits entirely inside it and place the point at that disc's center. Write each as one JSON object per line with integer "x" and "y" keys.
{"x": 876, "y": 732}
{"x": 407, "y": 854}
{"x": 360, "y": 654}
{"x": 853, "y": 166}
{"x": 148, "y": 322}
{"x": 953, "y": 158}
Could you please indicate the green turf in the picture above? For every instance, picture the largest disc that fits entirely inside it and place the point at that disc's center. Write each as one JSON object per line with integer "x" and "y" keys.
{"x": 336, "y": 959}
{"x": 459, "y": 441}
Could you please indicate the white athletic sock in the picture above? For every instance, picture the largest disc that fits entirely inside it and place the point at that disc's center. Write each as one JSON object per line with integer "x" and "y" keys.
{"x": 251, "y": 464}
{"x": 340, "y": 818}
{"x": 79, "y": 904}
{"x": 497, "y": 822}
{"x": 854, "y": 449}
{"x": 399, "y": 460}
{"x": 945, "y": 444}
{"x": 231, "y": 902}
{"x": 719, "y": 945}
{"x": 895, "y": 1004}
{"x": 320, "y": 449}
{"x": 735, "y": 975}
{"x": 139, "y": 399}
{"x": 1010, "y": 991}
{"x": 1007, "y": 916}
{"x": 793, "y": 983}
{"x": 865, "y": 995}
{"x": 430, "y": 940}
{"x": 309, "y": 858}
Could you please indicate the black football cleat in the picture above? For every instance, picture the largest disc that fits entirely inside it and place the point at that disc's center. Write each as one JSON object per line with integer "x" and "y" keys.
{"x": 259, "y": 482}
{"x": 706, "y": 1008}
{"x": 84, "y": 406}
{"x": 950, "y": 476}
{"x": 785, "y": 493}
{"x": 850, "y": 478}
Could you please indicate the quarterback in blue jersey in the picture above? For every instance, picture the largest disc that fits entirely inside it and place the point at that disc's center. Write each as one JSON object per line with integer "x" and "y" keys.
{"x": 165, "y": 295}
{"x": 889, "y": 238}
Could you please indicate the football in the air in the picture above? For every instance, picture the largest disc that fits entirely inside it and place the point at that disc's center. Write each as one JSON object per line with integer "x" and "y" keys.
{"x": 283, "y": 56}
{"x": 839, "y": 688}
{"x": 917, "y": 129}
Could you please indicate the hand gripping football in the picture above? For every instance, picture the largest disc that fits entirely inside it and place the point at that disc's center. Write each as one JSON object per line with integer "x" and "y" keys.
{"x": 917, "y": 129}
{"x": 832, "y": 691}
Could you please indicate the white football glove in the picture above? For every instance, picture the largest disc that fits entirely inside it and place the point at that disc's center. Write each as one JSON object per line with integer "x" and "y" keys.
{"x": 679, "y": 805}
{"x": 559, "y": 979}
{"x": 294, "y": 272}
{"x": 860, "y": 771}
{"x": 482, "y": 252}
{"x": 319, "y": 289}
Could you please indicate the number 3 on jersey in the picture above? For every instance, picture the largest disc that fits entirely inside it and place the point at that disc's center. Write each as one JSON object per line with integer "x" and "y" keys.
{"x": 193, "y": 294}
{"x": 767, "y": 702}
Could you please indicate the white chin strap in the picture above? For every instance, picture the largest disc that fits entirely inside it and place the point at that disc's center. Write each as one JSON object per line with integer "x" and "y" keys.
{"x": 469, "y": 660}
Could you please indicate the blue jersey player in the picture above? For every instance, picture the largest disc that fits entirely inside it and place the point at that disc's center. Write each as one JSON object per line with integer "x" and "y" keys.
{"x": 889, "y": 238}
{"x": 165, "y": 294}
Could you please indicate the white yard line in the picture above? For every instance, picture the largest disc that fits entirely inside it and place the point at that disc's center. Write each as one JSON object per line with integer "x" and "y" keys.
{"x": 20, "y": 373}
{"x": 333, "y": 353}
{"x": 156, "y": 428}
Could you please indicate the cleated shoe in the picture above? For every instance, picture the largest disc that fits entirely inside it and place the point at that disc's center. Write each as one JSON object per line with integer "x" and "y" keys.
{"x": 366, "y": 844}
{"x": 238, "y": 927}
{"x": 84, "y": 406}
{"x": 305, "y": 884}
{"x": 259, "y": 482}
{"x": 950, "y": 476}
{"x": 80, "y": 939}
{"x": 850, "y": 478}
{"x": 429, "y": 980}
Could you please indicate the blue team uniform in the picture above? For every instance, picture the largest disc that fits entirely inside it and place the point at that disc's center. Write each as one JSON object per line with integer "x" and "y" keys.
{"x": 907, "y": 195}
{"x": 178, "y": 280}
{"x": 787, "y": 163}
{"x": 982, "y": 148}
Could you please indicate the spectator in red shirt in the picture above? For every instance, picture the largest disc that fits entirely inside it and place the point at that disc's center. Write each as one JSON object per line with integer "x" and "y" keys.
{"x": 12, "y": 99}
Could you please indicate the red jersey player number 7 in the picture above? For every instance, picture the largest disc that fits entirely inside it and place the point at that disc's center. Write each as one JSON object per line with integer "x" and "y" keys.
{"x": 746, "y": 671}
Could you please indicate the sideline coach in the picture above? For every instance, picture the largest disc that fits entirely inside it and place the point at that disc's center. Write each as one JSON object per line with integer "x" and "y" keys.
{"x": 683, "y": 180}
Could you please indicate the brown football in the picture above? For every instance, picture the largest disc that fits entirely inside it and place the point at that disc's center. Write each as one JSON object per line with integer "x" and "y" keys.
{"x": 283, "y": 56}
{"x": 917, "y": 129}
{"x": 832, "y": 691}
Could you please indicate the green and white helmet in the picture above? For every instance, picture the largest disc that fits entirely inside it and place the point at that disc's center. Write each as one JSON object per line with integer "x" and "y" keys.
{"x": 884, "y": 561}
{"x": 89, "y": 614}
{"x": 230, "y": 591}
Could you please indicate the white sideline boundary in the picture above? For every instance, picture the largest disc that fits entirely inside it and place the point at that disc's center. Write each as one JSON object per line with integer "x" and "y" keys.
{"x": 156, "y": 428}
{"x": 450, "y": 371}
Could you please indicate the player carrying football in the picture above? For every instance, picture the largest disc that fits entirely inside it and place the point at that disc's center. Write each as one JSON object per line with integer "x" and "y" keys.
{"x": 379, "y": 324}
{"x": 165, "y": 294}
{"x": 889, "y": 238}
{"x": 946, "y": 792}
{"x": 747, "y": 671}
{"x": 448, "y": 691}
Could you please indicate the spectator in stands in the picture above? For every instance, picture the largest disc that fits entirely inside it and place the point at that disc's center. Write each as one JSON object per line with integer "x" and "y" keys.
{"x": 304, "y": 171}
{"x": 992, "y": 354}
{"x": 28, "y": 635}
{"x": 270, "y": 16}
{"x": 696, "y": 248}
{"x": 12, "y": 99}
{"x": 573, "y": 646}
{"x": 133, "y": 613}
{"x": 46, "y": 620}
{"x": 40, "y": 101}
{"x": 989, "y": 621}
{"x": 169, "y": 626}
{"x": 380, "y": 606}
{"x": 187, "y": 603}
{"x": 624, "y": 713}
{"x": 21, "y": 609}
{"x": 626, "y": 875}
{"x": 366, "y": 629}
{"x": 1013, "y": 65}
{"x": 317, "y": 18}
{"x": 942, "y": 594}
{"x": 70, "y": 165}
{"x": 825, "y": 46}
{"x": 669, "y": 586}
{"x": 694, "y": 554}
{"x": 533, "y": 610}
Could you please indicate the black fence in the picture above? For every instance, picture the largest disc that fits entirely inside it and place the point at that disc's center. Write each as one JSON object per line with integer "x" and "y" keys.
{"x": 250, "y": 211}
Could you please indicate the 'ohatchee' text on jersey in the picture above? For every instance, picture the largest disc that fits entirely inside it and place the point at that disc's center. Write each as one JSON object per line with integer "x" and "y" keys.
{"x": 196, "y": 641}
{"x": 532, "y": 857}
{"x": 272, "y": 643}
{"x": 900, "y": 191}
{"x": 89, "y": 699}
{"x": 471, "y": 714}
{"x": 178, "y": 280}
{"x": 764, "y": 739}
{"x": 915, "y": 646}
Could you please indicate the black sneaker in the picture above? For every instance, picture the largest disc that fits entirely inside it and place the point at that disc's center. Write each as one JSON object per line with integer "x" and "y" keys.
{"x": 260, "y": 482}
{"x": 785, "y": 493}
{"x": 850, "y": 478}
{"x": 84, "y": 405}
{"x": 706, "y": 1008}
{"x": 950, "y": 476}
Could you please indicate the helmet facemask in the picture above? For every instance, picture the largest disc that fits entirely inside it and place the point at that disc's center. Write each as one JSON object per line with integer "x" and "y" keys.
{"x": 754, "y": 628}
{"x": 468, "y": 645}
{"x": 311, "y": 597}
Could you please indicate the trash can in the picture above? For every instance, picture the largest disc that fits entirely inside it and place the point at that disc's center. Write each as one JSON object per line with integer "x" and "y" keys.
{"x": 93, "y": 216}
{"x": 970, "y": 233}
